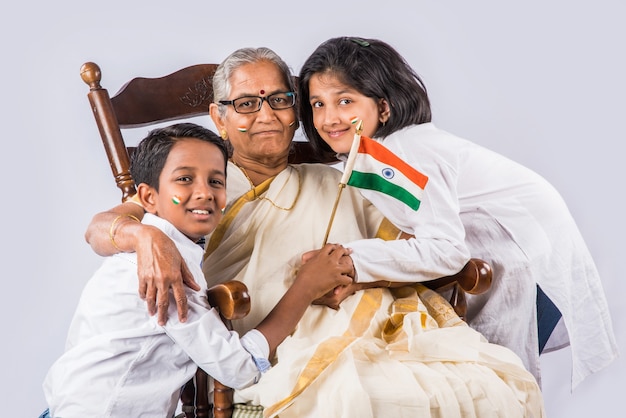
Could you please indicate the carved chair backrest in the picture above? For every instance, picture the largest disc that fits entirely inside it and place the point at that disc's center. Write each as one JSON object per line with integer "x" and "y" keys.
{"x": 142, "y": 101}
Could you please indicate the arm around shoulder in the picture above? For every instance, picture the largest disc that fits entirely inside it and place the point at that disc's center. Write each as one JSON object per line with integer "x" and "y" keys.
{"x": 115, "y": 230}
{"x": 159, "y": 263}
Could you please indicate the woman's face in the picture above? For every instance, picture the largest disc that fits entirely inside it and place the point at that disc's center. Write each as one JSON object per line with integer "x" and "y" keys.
{"x": 336, "y": 109}
{"x": 264, "y": 135}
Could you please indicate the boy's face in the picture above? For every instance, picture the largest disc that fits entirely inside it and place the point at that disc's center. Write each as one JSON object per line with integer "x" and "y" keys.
{"x": 192, "y": 188}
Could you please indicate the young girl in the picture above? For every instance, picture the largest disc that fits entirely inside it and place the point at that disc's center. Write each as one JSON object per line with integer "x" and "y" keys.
{"x": 474, "y": 202}
{"x": 119, "y": 362}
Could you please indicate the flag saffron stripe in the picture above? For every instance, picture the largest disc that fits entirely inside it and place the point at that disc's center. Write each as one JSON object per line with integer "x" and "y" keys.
{"x": 382, "y": 154}
{"x": 375, "y": 182}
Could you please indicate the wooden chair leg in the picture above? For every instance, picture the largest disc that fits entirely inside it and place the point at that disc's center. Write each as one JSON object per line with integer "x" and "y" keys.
{"x": 187, "y": 398}
{"x": 195, "y": 397}
{"x": 233, "y": 302}
{"x": 203, "y": 407}
{"x": 222, "y": 400}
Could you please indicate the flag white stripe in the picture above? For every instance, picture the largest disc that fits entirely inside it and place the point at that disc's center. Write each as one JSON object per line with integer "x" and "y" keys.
{"x": 354, "y": 151}
{"x": 367, "y": 164}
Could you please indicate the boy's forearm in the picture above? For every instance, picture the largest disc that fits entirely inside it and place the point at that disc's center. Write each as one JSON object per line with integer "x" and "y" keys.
{"x": 284, "y": 318}
{"x": 125, "y": 229}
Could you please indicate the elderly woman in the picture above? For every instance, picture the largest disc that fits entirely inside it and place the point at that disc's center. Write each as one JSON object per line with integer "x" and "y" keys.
{"x": 407, "y": 355}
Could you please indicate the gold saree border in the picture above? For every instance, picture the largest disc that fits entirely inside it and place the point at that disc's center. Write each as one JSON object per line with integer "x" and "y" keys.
{"x": 231, "y": 214}
{"x": 329, "y": 350}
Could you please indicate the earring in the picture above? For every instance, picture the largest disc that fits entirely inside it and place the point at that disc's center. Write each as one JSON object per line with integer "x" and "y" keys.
{"x": 224, "y": 134}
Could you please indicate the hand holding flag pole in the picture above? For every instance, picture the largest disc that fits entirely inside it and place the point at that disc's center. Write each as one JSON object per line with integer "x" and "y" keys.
{"x": 354, "y": 149}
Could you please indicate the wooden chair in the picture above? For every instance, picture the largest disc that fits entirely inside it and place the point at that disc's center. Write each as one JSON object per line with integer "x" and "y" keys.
{"x": 185, "y": 94}
{"x": 233, "y": 302}
{"x": 142, "y": 104}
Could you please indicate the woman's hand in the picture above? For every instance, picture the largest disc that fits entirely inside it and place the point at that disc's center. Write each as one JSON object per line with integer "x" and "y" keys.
{"x": 159, "y": 267}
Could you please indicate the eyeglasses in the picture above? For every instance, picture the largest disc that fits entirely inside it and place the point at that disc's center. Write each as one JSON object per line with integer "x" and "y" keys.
{"x": 252, "y": 104}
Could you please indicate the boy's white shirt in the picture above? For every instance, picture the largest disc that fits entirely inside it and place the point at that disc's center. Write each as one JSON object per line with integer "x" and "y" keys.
{"x": 119, "y": 362}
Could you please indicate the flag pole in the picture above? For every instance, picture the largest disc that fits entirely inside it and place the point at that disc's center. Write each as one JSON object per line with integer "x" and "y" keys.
{"x": 332, "y": 215}
{"x": 346, "y": 175}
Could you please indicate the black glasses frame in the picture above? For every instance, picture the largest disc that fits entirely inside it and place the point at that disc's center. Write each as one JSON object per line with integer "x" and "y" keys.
{"x": 267, "y": 98}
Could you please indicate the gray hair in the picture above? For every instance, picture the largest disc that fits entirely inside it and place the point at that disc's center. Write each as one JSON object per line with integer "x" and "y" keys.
{"x": 221, "y": 78}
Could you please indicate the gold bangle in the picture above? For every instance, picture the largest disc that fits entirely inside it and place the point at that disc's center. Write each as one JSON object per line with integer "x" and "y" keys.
{"x": 112, "y": 228}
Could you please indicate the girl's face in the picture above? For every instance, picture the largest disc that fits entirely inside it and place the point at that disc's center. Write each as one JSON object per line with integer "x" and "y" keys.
{"x": 192, "y": 188}
{"x": 336, "y": 107}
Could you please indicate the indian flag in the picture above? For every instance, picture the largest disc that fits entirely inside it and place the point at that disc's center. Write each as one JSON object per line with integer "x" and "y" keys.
{"x": 372, "y": 166}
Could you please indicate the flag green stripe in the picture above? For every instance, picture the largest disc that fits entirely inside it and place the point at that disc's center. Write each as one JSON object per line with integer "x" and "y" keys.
{"x": 375, "y": 182}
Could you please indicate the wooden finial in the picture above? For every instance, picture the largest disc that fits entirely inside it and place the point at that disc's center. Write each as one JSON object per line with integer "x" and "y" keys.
{"x": 91, "y": 75}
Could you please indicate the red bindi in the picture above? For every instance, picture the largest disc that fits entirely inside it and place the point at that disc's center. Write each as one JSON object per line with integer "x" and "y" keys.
{"x": 262, "y": 92}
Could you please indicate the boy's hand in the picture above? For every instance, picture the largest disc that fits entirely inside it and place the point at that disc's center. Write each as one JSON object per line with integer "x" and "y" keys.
{"x": 323, "y": 270}
{"x": 346, "y": 259}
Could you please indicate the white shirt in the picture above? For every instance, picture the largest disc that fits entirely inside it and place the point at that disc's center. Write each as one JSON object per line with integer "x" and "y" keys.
{"x": 120, "y": 363}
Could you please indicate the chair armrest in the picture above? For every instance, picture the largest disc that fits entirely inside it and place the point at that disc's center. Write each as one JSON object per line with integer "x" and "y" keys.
{"x": 231, "y": 299}
{"x": 475, "y": 278}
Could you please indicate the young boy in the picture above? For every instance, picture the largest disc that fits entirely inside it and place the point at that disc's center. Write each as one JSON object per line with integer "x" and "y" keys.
{"x": 118, "y": 361}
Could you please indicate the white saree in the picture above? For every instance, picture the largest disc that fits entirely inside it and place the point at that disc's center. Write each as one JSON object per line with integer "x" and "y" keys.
{"x": 426, "y": 363}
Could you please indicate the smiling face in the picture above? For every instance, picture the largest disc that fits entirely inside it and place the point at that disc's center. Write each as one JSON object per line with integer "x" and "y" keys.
{"x": 335, "y": 106}
{"x": 264, "y": 135}
{"x": 194, "y": 176}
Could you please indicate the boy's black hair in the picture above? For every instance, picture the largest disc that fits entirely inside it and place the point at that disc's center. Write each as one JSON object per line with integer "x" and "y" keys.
{"x": 376, "y": 70}
{"x": 149, "y": 157}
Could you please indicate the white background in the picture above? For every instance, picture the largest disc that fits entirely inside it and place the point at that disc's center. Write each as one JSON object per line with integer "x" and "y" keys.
{"x": 539, "y": 81}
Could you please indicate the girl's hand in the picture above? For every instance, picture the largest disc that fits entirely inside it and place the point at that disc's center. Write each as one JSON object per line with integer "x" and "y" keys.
{"x": 334, "y": 298}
